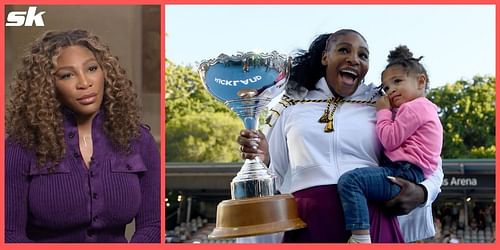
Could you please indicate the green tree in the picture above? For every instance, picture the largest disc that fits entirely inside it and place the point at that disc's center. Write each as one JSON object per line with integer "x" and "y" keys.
{"x": 198, "y": 127}
{"x": 467, "y": 112}
{"x": 204, "y": 137}
{"x": 184, "y": 93}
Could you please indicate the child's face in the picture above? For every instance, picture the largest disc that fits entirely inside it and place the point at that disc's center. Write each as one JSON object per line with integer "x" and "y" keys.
{"x": 401, "y": 87}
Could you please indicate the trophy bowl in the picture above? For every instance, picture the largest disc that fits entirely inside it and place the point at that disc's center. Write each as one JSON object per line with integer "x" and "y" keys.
{"x": 247, "y": 83}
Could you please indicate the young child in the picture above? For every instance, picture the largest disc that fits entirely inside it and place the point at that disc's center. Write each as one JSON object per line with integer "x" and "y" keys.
{"x": 412, "y": 140}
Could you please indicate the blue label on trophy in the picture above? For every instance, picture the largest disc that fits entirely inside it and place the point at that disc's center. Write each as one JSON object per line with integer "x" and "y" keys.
{"x": 246, "y": 82}
{"x": 225, "y": 82}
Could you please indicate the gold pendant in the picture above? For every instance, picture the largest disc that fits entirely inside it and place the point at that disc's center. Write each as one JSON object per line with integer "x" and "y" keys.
{"x": 324, "y": 117}
{"x": 329, "y": 126}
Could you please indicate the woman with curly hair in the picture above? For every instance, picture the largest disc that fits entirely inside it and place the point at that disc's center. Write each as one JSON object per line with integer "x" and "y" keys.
{"x": 79, "y": 164}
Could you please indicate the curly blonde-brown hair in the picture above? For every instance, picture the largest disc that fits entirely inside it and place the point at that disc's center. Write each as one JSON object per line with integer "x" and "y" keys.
{"x": 34, "y": 116}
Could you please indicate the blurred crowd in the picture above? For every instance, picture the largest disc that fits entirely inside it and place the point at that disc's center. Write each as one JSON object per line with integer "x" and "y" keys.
{"x": 455, "y": 225}
{"x": 196, "y": 231}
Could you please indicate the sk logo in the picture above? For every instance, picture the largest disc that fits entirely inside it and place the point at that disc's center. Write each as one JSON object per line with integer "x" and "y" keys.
{"x": 25, "y": 18}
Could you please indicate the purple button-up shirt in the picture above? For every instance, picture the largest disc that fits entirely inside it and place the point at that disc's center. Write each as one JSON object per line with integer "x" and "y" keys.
{"x": 73, "y": 203}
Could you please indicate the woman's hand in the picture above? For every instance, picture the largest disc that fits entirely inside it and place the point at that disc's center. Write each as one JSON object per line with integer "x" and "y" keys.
{"x": 253, "y": 143}
{"x": 410, "y": 196}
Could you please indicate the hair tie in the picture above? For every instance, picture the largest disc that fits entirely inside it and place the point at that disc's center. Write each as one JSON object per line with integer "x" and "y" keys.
{"x": 416, "y": 59}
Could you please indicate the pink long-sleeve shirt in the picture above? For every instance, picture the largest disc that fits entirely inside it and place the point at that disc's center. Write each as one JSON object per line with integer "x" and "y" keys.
{"x": 414, "y": 135}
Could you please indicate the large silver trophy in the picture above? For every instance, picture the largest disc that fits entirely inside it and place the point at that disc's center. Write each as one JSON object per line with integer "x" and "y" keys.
{"x": 247, "y": 83}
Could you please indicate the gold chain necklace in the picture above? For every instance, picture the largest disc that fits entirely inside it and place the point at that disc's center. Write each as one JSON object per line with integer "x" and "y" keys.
{"x": 327, "y": 116}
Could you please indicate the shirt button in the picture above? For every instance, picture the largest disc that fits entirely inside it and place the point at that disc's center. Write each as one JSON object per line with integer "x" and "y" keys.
{"x": 94, "y": 219}
{"x": 129, "y": 167}
{"x": 90, "y": 232}
{"x": 92, "y": 174}
{"x": 71, "y": 135}
{"x": 76, "y": 155}
{"x": 94, "y": 195}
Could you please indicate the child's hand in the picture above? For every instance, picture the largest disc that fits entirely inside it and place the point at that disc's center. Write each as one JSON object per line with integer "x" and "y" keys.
{"x": 383, "y": 103}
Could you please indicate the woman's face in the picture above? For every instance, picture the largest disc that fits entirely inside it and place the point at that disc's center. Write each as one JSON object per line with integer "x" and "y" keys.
{"x": 346, "y": 63}
{"x": 79, "y": 81}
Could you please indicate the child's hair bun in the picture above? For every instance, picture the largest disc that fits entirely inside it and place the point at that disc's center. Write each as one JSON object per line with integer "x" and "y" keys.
{"x": 401, "y": 53}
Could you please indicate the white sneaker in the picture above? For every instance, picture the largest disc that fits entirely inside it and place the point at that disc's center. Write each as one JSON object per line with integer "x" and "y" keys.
{"x": 352, "y": 241}
{"x": 356, "y": 241}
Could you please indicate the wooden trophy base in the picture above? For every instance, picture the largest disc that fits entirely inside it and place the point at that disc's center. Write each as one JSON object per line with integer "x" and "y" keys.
{"x": 255, "y": 216}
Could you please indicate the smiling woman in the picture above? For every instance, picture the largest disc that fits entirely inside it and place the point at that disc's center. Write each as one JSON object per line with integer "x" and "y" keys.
{"x": 79, "y": 165}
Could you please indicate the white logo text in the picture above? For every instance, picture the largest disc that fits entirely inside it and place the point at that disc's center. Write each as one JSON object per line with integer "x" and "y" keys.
{"x": 25, "y": 18}
{"x": 235, "y": 82}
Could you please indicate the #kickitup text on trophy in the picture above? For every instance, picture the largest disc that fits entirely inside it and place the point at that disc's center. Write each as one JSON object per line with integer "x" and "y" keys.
{"x": 247, "y": 83}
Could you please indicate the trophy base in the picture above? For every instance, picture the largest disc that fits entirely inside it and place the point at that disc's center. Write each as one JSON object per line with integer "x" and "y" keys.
{"x": 255, "y": 216}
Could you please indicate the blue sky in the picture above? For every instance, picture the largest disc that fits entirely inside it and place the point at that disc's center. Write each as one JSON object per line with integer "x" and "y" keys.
{"x": 457, "y": 41}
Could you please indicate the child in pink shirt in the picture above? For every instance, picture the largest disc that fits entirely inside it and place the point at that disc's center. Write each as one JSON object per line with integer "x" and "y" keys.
{"x": 412, "y": 140}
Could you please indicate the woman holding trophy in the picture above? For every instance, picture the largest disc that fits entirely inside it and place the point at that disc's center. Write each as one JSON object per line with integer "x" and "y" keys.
{"x": 325, "y": 128}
